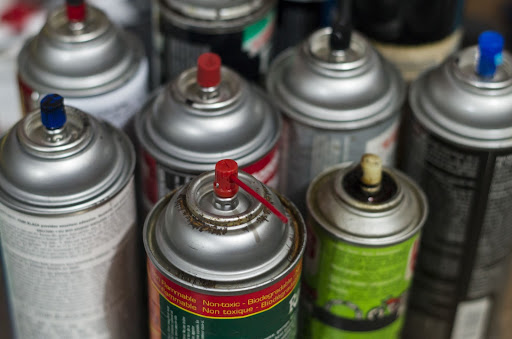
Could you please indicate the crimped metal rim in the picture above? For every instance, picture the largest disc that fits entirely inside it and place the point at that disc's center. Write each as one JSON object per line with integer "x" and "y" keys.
{"x": 213, "y": 24}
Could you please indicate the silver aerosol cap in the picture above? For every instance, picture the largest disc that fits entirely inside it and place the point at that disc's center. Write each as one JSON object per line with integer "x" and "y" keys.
{"x": 205, "y": 116}
{"x": 468, "y": 99}
{"x": 335, "y": 89}
{"x": 61, "y": 160}
{"x": 366, "y": 200}
{"x": 79, "y": 57}
{"x": 219, "y": 233}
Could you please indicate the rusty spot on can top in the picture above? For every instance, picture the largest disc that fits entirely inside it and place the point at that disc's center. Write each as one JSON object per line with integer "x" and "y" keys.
{"x": 195, "y": 280}
{"x": 194, "y": 222}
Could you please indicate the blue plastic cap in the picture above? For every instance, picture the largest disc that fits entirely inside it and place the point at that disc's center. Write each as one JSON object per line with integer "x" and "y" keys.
{"x": 490, "y": 44}
{"x": 53, "y": 114}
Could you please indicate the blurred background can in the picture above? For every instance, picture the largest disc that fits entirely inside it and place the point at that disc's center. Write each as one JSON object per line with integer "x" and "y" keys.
{"x": 414, "y": 35}
{"x": 220, "y": 264}
{"x": 240, "y": 31}
{"x": 297, "y": 19}
{"x": 82, "y": 55}
{"x": 68, "y": 224}
{"x": 18, "y": 21}
{"x": 459, "y": 149}
{"x": 206, "y": 114}
{"x": 364, "y": 225}
{"x": 337, "y": 103}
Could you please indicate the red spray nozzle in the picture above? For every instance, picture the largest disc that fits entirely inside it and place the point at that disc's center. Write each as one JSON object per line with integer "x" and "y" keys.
{"x": 226, "y": 185}
{"x": 75, "y": 10}
{"x": 208, "y": 70}
{"x": 223, "y": 186}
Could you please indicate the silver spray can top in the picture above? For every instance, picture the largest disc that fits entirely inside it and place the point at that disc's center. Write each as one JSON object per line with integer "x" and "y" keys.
{"x": 327, "y": 84}
{"x": 79, "y": 52}
{"x": 61, "y": 160}
{"x": 468, "y": 99}
{"x": 214, "y": 232}
{"x": 206, "y": 114}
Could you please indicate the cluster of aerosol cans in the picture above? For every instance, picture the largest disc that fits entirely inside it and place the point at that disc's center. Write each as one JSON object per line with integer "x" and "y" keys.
{"x": 238, "y": 181}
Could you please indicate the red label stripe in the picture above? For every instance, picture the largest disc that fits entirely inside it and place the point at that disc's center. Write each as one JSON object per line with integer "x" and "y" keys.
{"x": 260, "y": 164}
{"x": 220, "y": 307}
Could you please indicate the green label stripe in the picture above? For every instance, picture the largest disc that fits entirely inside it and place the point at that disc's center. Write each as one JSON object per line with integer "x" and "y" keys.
{"x": 177, "y": 312}
{"x": 355, "y": 291}
{"x": 278, "y": 323}
{"x": 258, "y": 34}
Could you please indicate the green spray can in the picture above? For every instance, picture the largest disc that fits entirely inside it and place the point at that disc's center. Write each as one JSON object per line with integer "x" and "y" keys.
{"x": 364, "y": 224}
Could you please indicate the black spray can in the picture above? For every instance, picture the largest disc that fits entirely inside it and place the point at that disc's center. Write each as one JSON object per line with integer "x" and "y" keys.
{"x": 459, "y": 149}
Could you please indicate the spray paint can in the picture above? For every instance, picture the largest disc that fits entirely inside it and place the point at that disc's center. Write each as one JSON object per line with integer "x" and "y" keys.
{"x": 96, "y": 66}
{"x": 220, "y": 264}
{"x": 68, "y": 224}
{"x": 240, "y": 31}
{"x": 459, "y": 149}
{"x": 363, "y": 224}
{"x": 339, "y": 103}
{"x": 297, "y": 20}
{"x": 204, "y": 115}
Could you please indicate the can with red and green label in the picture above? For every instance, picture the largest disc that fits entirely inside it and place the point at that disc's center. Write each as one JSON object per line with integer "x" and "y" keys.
{"x": 223, "y": 265}
{"x": 363, "y": 231}
{"x": 240, "y": 31}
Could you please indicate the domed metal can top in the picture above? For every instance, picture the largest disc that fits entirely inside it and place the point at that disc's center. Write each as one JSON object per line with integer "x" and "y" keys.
{"x": 68, "y": 225}
{"x": 95, "y": 65}
{"x": 240, "y": 31}
{"x": 364, "y": 224}
{"x": 206, "y": 114}
{"x": 338, "y": 104}
{"x": 459, "y": 149}
{"x": 223, "y": 265}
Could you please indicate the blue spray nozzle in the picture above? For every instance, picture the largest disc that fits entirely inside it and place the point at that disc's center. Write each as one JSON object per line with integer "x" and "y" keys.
{"x": 53, "y": 114}
{"x": 490, "y": 44}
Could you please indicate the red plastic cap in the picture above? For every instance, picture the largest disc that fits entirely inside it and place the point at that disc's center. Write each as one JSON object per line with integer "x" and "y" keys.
{"x": 223, "y": 186}
{"x": 208, "y": 70}
{"x": 75, "y": 10}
